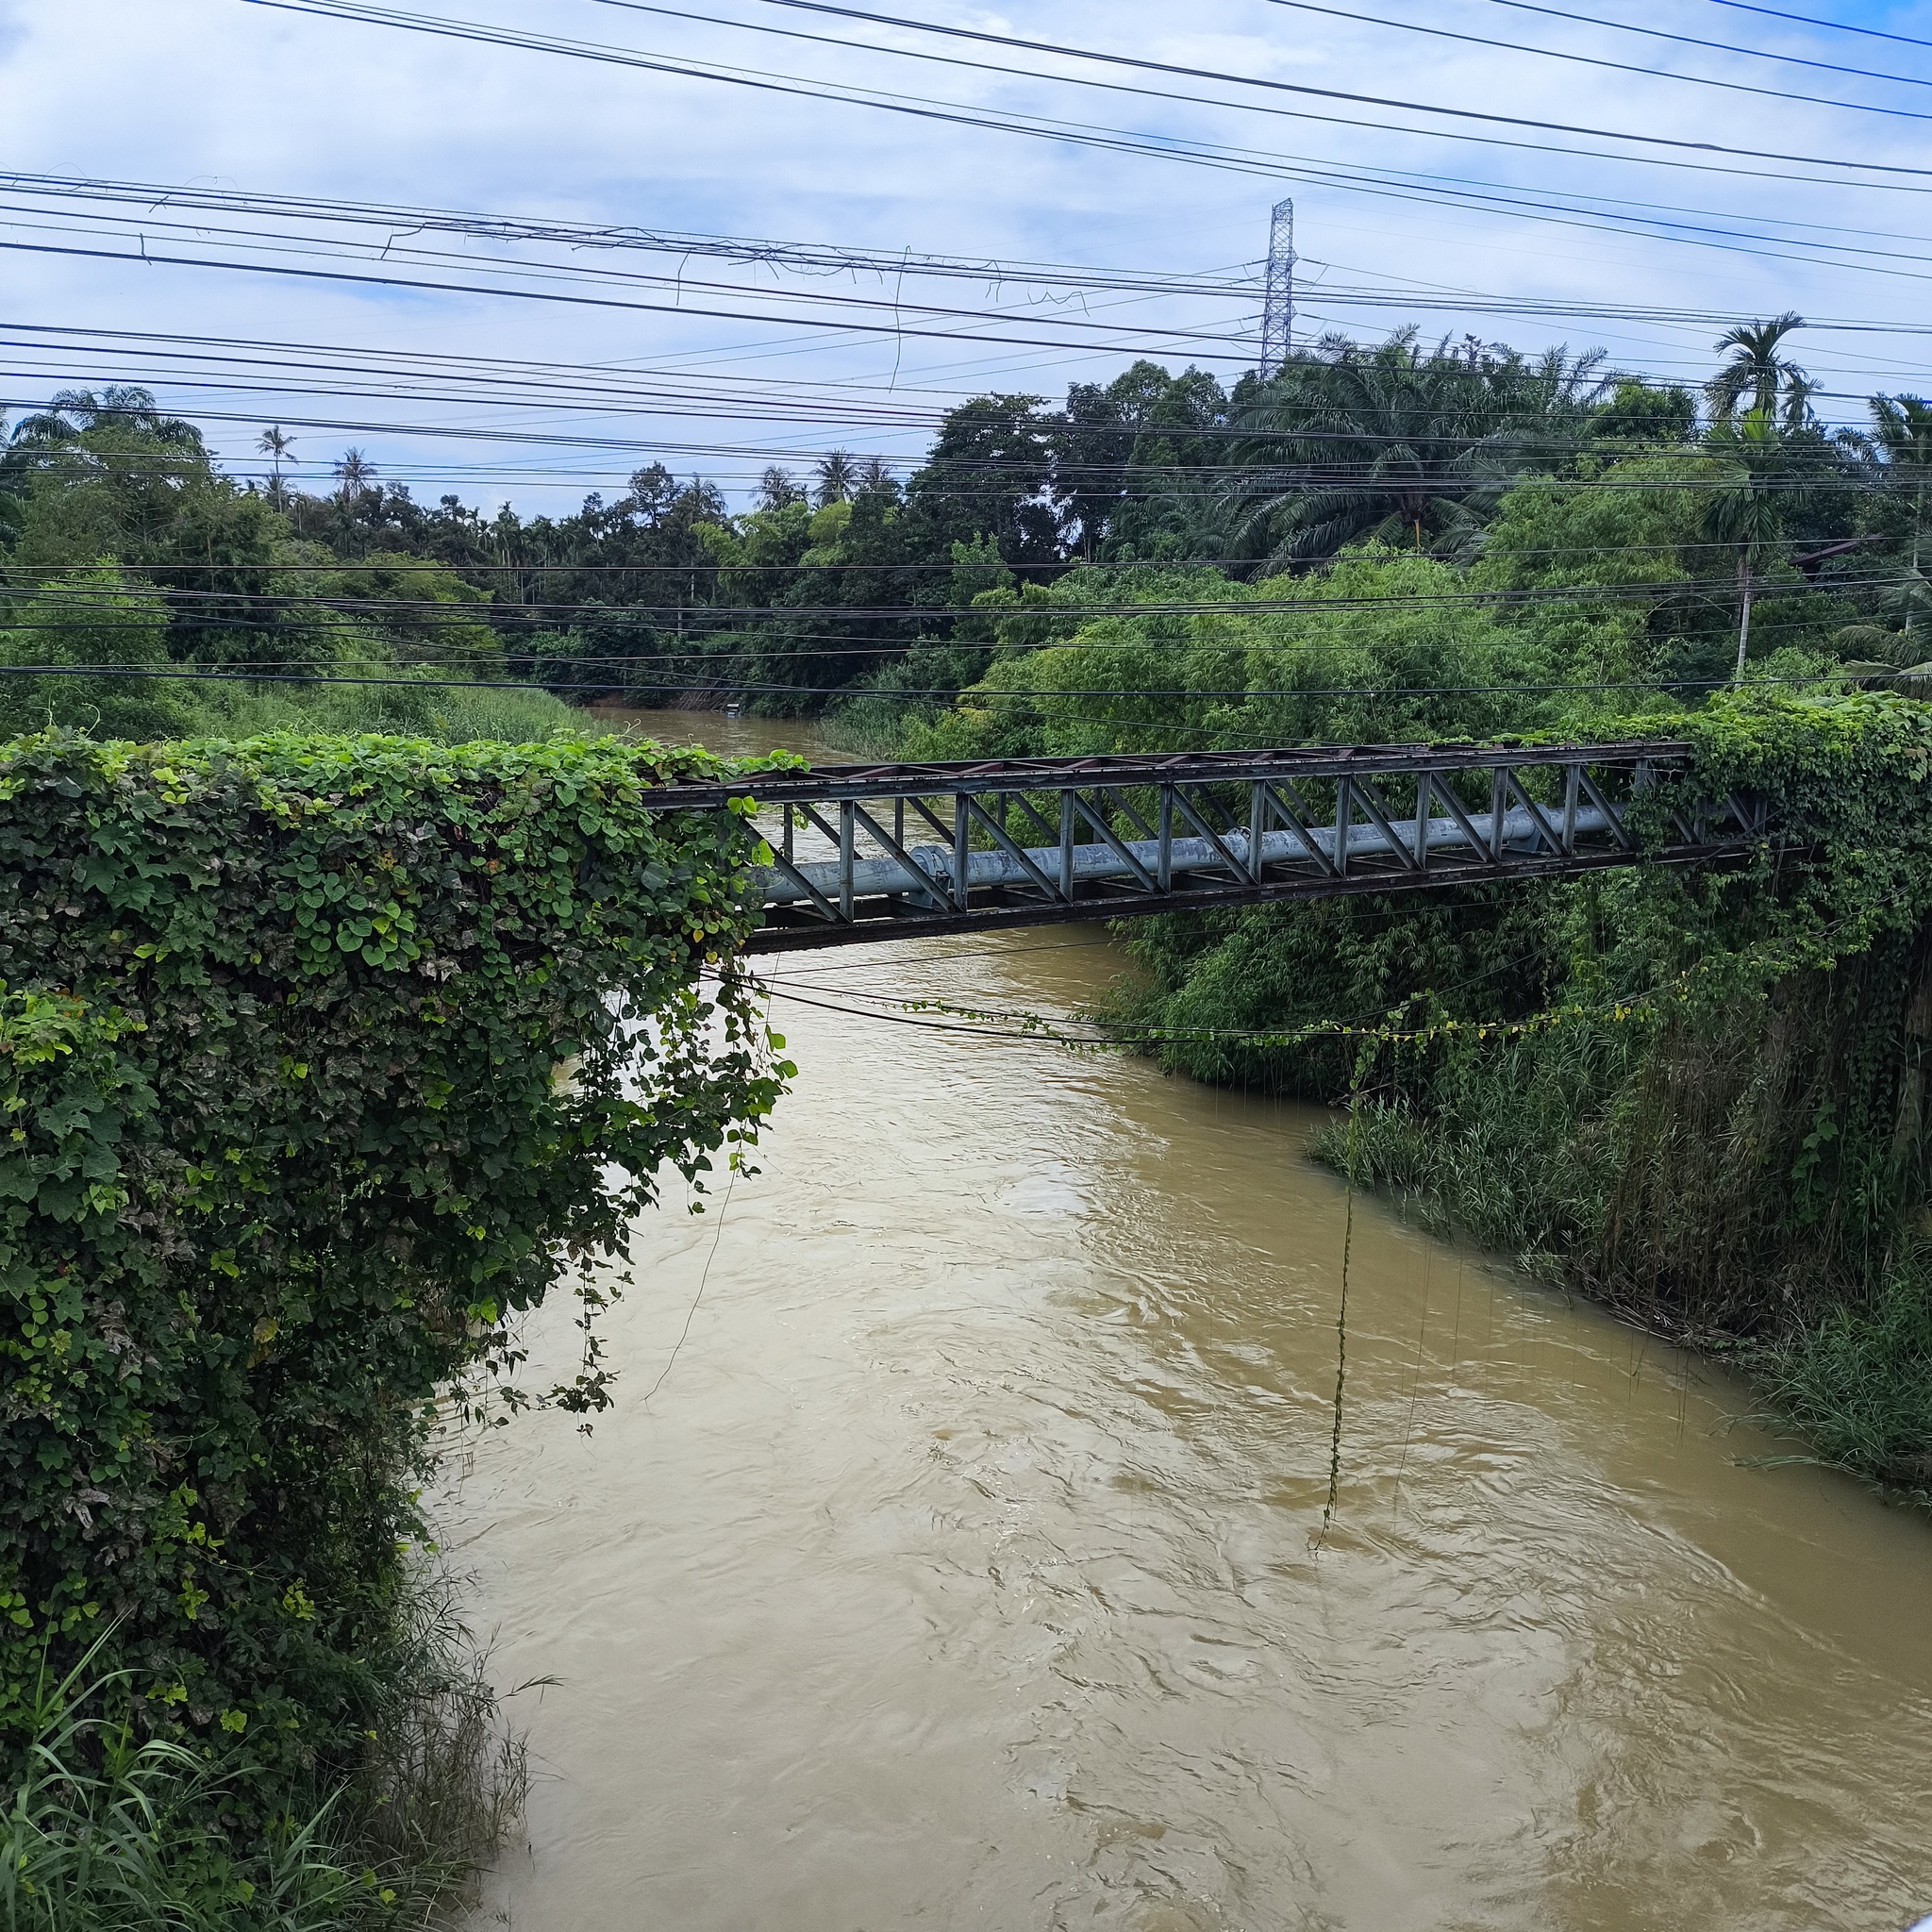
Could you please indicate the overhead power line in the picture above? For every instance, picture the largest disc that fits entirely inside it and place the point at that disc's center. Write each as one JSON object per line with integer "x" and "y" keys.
{"x": 1831, "y": 245}
{"x": 146, "y": 254}
{"x": 942, "y": 696}
{"x": 251, "y": 367}
{"x": 818, "y": 259}
{"x": 810, "y": 257}
{"x": 1656, "y": 33}
{"x": 681, "y": 284}
{"x": 1275, "y": 476}
{"x": 477, "y": 31}
{"x": 540, "y": 644}
{"x": 1837, "y": 26}
{"x": 1146, "y": 66}
{"x": 1065, "y": 571}
{"x": 1237, "y": 79}
{"x": 1781, "y": 239}
{"x": 1443, "y": 33}
{"x": 465, "y": 615}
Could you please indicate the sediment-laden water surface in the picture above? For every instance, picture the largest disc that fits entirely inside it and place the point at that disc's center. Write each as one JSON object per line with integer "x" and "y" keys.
{"x": 959, "y": 1573}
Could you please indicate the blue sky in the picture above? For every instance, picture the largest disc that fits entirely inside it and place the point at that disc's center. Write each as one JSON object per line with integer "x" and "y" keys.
{"x": 224, "y": 93}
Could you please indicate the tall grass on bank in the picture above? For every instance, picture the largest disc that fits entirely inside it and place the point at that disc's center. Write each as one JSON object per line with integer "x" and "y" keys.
{"x": 444, "y": 1779}
{"x": 107, "y": 1831}
{"x": 1858, "y": 1382}
{"x": 453, "y": 714}
{"x": 1512, "y": 1149}
{"x": 104, "y": 1830}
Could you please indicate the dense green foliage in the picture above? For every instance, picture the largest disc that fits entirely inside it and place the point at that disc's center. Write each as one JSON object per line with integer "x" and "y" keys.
{"x": 323, "y": 1060}
{"x": 1749, "y": 525}
{"x": 123, "y": 546}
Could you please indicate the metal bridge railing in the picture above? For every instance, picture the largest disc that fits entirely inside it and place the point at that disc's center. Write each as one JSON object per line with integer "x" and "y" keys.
{"x": 874, "y": 852}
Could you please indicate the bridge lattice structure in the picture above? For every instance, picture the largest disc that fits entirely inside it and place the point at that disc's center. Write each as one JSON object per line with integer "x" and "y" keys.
{"x": 865, "y": 853}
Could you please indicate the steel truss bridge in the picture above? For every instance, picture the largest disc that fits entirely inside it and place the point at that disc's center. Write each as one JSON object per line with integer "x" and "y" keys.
{"x": 863, "y": 853}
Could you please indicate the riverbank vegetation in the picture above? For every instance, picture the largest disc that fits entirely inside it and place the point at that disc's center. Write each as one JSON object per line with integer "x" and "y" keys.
{"x": 292, "y": 1151}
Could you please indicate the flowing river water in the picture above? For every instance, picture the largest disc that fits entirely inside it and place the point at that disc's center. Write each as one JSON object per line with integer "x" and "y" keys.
{"x": 959, "y": 1573}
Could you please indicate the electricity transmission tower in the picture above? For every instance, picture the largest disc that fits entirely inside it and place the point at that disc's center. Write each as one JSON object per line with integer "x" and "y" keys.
{"x": 1277, "y": 312}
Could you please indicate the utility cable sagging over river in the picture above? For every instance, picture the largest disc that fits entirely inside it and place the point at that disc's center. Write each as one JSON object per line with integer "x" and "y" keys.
{"x": 1031, "y": 841}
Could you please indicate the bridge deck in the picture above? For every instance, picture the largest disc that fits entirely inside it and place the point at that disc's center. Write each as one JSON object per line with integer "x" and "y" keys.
{"x": 1031, "y": 841}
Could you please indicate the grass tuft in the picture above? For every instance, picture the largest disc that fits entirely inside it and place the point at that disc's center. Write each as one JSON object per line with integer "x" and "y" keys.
{"x": 1858, "y": 1382}
{"x": 108, "y": 1831}
{"x": 104, "y": 1830}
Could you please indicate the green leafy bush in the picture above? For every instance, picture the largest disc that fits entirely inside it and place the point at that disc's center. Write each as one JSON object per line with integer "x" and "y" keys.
{"x": 321, "y": 1060}
{"x": 1716, "y": 1118}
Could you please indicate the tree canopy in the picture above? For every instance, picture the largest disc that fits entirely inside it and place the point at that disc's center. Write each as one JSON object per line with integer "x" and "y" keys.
{"x": 879, "y": 588}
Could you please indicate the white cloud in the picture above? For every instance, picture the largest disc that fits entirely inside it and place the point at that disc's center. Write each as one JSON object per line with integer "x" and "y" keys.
{"x": 216, "y": 91}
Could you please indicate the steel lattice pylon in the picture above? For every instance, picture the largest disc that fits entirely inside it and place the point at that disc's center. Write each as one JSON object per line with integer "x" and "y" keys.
{"x": 1277, "y": 310}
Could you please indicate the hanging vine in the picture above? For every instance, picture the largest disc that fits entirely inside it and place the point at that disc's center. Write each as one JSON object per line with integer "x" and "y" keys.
{"x": 289, "y": 1146}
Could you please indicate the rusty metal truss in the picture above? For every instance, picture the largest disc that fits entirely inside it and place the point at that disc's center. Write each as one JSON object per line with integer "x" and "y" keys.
{"x": 863, "y": 853}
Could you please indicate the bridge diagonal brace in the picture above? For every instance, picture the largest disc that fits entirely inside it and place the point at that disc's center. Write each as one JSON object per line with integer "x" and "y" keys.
{"x": 1206, "y": 801}
{"x": 921, "y": 884}
{"x": 1379, "y": 819}
{"x": 1247, "y": 873}
{"x": 1049, "y": 833}
{"x": 1293, "y": 822}
{"x": 1098, "y": 820}
{"x": 931, "y": 817}
{"x": 1613, "y": 813}
{"x": 1465, "y": 824}
{"x": 1552, "y": 839}
{"x": 1123, "y": 805}
{"x": 1004, "y": 839}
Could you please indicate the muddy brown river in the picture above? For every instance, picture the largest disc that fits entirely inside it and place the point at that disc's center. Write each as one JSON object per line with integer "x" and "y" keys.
{"x": 958, "y": 1573}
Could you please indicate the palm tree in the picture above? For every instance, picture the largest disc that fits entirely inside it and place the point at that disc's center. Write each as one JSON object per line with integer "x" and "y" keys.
{"x": 75, "y": 412}
{"x": 1759, "y": 370}
{"x": 776, "y": 488}
{"x": 1902, "y": 430}
{"x": 274, "y": 442}
{"x": 1390, "y": 443}
{"x": 354, "y": 473}
{"x": 834, "y": 476}
{"x": 873, "y": 474}
{"x": 1747, "y": 513}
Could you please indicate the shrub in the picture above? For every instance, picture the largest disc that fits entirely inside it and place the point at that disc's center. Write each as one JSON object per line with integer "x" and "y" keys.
{"x": 281, "y": 1040}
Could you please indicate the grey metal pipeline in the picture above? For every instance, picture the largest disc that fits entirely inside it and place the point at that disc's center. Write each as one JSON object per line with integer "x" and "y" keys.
{"x": 872, "y": 877}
